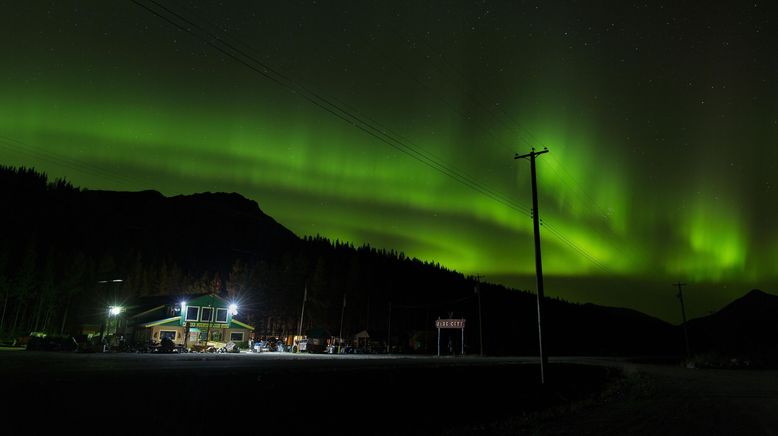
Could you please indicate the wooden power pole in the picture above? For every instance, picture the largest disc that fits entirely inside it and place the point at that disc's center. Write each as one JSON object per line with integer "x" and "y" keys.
{"x": 683, "y": 317}
{"x": 538, "y": 262}
{"x": 480, "y": 314}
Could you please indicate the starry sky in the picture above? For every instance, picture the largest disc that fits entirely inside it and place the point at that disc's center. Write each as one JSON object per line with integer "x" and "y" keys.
{"x": 395, "y": 124}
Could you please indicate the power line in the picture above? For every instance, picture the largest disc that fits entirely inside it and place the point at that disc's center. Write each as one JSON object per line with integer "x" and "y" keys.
{"x": 503, "y": 118}
{"x": 356, "y": 121}
{"x": 523, "y": 134}
{"x": 406, "y": 146}
{"x": 381, "y": 134}
{"x": 557, "y": 168}
{"x": 580, "y": 250}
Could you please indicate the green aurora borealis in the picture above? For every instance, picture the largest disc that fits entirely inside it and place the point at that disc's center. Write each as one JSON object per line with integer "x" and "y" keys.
{"x": 661, "y": 122}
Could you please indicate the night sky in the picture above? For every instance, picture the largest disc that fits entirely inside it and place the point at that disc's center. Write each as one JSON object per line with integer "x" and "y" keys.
{"x": 661, "y": 119}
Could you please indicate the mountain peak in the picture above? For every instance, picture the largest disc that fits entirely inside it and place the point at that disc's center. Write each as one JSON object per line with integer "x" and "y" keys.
{"x": 755, "y": 303}
{"x": 755, "y": 293}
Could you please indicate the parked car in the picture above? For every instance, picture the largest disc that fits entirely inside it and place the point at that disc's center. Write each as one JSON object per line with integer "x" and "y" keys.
{"x": 311, "y": 345}
{"x": 43, "y": 342}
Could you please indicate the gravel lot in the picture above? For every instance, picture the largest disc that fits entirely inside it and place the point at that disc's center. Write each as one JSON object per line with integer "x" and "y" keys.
{"x": 377, "y": 394}
{"x": 287, "y": 393}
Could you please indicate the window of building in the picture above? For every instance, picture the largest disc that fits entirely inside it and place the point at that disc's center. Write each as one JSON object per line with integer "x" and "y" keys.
{"x": 221, "y": 315}
{"x": 236, "y": 336}
{"x": 192, "y": 313}
{"x": 205, "y": 314}
{"x": 170, "y": 334}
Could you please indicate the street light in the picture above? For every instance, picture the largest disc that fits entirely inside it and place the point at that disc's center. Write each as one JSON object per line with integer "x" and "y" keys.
{"x": 110, "y": 308}
{"x": 185, "y": 323}
{"x": 233, "y": 309}
{"x": 113, "y": 311}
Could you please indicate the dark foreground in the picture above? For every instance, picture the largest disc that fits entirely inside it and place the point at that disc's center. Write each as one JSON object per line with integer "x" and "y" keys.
{"x": 281, "y": 394}
{"x": 308, "y": 394}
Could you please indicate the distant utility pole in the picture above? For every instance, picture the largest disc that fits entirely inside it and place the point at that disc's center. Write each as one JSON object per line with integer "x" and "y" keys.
{"x": 480, "y": 315}
{"x": 302, "y": 313}
{"x": 389, "y": 334}
{"x": 538, "y": 263}
{"x": 683, "y": 316}
{"x": 342, "y": 312}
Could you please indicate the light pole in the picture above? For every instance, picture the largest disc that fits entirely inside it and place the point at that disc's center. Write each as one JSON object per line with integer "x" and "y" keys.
{"x": 302, "y": 315}
{"x": 185, "y": 323}
{"x": 208, "y": 330}
{"x": 233, "y": 310}
{"x": 113, "y": 311}
{"x": 108, "y": 314}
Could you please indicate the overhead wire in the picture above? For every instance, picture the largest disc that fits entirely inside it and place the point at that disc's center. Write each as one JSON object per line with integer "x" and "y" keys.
{"x": 524, "y": 135}
{"x": 380, "y": 133}
{"x": 320, "y": 101}
{"x": 557, "y": 168}
{"x": 398, "y": 138}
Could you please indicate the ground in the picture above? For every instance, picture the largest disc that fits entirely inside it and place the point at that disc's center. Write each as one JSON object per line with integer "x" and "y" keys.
{"x": 671, "y": 400}
{"x": 314, "y": 394}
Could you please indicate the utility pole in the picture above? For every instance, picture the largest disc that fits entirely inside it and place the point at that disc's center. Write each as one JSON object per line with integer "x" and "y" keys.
{"x": 538, "y": 263}
{"x": 389, "y": 334}
{"x": 480, "y": 315}
{"x": 302, "y": 313}
{"x": 342, "y": 312}
{"x": 683, "y": 316}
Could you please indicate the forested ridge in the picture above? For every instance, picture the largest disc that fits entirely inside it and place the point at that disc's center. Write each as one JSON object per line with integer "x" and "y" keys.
{"x": 62, "y": 247}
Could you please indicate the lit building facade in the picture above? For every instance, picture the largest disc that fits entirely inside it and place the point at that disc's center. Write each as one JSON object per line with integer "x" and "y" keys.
{"x": 186, "y": 322}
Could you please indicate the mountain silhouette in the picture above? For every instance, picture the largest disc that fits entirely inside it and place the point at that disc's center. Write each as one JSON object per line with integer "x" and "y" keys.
{"x": 747, "y": 327}
{"x": 198, "y": 229}
{"x": 62, "y": 242}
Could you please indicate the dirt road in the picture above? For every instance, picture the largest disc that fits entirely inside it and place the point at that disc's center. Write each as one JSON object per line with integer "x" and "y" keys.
{"x": 671, "y": 400}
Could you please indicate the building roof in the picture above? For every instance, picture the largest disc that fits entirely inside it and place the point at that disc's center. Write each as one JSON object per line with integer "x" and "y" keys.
{"x": 155, "y": 310}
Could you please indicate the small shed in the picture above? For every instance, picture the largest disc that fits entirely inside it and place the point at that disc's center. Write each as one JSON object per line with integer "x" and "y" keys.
{"x": 362, "y": 339}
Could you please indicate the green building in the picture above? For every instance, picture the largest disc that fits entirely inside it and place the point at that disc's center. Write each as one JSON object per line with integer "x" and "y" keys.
{"x": 187, "y": 321}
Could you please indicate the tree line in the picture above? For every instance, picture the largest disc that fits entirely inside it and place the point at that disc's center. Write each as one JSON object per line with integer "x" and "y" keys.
{"x": 64, "y": 249}
{"x": 61, "y": 259}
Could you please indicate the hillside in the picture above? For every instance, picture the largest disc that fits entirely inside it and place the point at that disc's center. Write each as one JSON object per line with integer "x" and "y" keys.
{"x": 61, "y": 242}
{"x": 747, "y": 327}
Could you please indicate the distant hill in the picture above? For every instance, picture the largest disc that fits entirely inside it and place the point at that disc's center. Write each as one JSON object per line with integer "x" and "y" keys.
{"x": 62, "y": 246}
{"x": 199, "y": 230}
{"x": 747, "y": 327}
{"x": 602, "y": 330}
